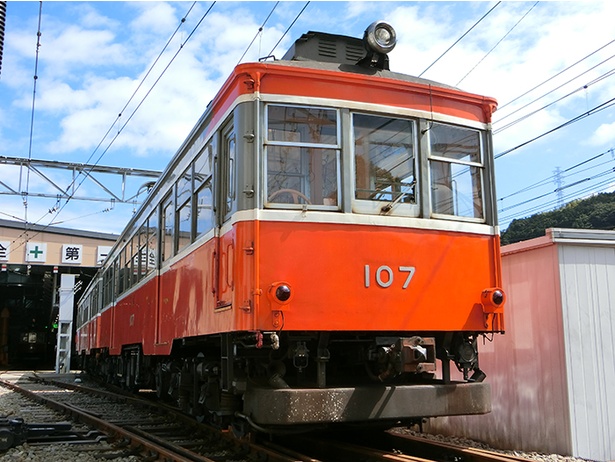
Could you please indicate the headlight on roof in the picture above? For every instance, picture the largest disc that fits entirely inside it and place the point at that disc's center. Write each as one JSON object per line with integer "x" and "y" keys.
{"x": 380, "y": 37}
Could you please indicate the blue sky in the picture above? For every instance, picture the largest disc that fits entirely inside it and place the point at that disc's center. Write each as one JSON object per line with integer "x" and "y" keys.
{"x": 94, "y": 55}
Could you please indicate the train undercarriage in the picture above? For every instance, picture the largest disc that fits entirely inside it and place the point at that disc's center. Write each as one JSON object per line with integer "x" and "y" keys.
{"x": 264, "y": 381}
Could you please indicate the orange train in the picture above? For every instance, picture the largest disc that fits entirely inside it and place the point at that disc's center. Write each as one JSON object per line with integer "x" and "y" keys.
{"x": 320, "y": 249}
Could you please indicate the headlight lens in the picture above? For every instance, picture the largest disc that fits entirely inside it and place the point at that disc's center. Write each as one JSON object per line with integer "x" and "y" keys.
{"x": 497, "y": 297}
{"x": 282, "y": 293}
{"x": 381, "y": 37}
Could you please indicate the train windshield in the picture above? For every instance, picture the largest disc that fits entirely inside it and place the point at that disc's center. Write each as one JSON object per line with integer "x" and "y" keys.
{"x": 384, "y": 159}
{"x": 302, "y": 152}
{"x": 456, "y": 170}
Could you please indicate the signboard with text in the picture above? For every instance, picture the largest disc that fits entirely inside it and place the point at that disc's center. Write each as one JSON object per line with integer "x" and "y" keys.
{"x": 36, "y": 252}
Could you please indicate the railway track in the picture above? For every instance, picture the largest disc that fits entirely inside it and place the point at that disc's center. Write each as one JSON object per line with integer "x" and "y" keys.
{"x": 385, "y": 446}
{"x": 148, "y": 431}
{"x": 142, "y": 428}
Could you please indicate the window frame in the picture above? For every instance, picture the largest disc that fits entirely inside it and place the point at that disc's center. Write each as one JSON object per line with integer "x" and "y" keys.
{"x": 183, "y": 204}
{"x": 481, "y": 166}
{"x": 207, "y": 156}
{"x": 334, "y": 147}
{"x": 167, "y": 240}
{"x": 370, "y": 207}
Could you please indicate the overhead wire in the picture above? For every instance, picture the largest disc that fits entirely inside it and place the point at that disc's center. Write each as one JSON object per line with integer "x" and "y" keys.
{"x": 38, "y": 46}
{"x": 559, "y": 189}
{"x": 555, "y": 76}
{"x": 181, "y": 47}
{"x": 149, "y": 91}
{"x": 460, "y": 38}
{"x": 260, "y": 30}
{"x": 160, "y": 76}
{"x": 499, "y": 41}
{"x": 142, "y": 100}
{"x": 581, "y": 88}
{"x": 182, "y": 21}
{"x": 57, "y": 212}
{"x": 142, "y": 81}
{"x": 146, "y": 95}
{"x": 55, "y": 223}
{"x": 12, "y": 216}
{"x": 592, "y": 111}
{"x": 552, "y": 177}
{"x": 288, "y": 29}
{"x": 581, "y": 116}
{"x": 594, "y": 189}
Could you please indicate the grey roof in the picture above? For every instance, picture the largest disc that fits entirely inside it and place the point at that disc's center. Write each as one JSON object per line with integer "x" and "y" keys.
{"x": 57, "y": 230}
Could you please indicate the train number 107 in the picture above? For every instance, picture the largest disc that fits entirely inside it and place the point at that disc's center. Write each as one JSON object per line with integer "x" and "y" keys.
{"x": 384, "y": 276}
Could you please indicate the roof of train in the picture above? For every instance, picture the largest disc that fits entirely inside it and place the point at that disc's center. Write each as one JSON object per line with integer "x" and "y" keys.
{"x": 356, "y": 69}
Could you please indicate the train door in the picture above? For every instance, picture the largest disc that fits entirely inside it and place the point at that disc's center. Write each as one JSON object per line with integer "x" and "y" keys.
{"x": 165, "y": 285}
{"x": 226, "y": 199}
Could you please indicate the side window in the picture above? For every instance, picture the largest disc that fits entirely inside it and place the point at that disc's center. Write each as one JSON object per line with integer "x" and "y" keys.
{"x": 385, "y": 159}
{"x": 141, "y": 258}
{"x": 128, "y": 264}
{"x": 120, "y": 273}
{"x": 168, "y": 221}
{"x": 152, "y": 241}
{"x": 184, "y": 209}
{"x": 81, "y": 307}
{"x": 228, "y": 165}
{"x": 107, "y": 286}
{"x": 203, "y": 190}
{"x": 456, "y": 171}
{"x": 115, "y": 277}
{"x": 302, "y": 151}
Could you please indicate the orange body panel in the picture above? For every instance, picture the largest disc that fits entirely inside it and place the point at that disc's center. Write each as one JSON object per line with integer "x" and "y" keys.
{"x": 334, "y": 286}
{"x": 325, "y": 266}
{"x": 187, "y": 296}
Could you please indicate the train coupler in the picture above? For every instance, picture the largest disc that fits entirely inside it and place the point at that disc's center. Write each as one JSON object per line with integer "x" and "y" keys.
{"x": 395, "y": 356}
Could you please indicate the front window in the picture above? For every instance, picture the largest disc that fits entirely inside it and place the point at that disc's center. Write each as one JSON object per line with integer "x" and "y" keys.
{"x": 456, "y": 171}
{"x": 302, "y": 150}
{"x": 385, "y": 160}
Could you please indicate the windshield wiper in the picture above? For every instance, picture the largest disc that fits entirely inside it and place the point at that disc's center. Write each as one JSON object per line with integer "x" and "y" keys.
{"x": 385, "y": 209}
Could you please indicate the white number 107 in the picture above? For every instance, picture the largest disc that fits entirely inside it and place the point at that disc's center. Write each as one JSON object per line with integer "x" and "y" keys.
{"x": 384, "y": 275}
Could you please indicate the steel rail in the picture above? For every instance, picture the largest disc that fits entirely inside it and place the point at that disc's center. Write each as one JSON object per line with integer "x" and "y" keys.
{"x": 114, "y": 431}
{"x": 259, "y": 452}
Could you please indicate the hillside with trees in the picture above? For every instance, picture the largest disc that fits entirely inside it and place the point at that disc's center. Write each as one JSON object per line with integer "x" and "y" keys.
{"x": 596, "y": 212}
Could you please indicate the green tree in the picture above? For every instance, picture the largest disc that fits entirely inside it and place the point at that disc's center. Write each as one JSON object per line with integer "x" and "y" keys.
{"x": 596, "y": 212}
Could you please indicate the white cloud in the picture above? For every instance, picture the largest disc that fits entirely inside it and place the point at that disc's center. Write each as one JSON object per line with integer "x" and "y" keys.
{"x": 73, "y": 46}
{"x": 604, "y": 135}
{"x": 158, "y": 18}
